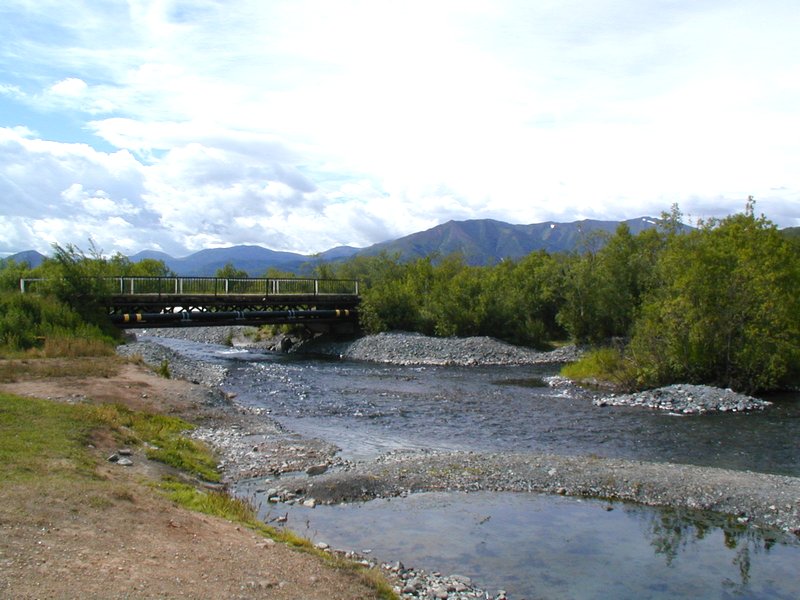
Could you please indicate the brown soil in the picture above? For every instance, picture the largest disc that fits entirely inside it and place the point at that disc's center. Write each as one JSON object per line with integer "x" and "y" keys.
{"x": 122, "y": 539}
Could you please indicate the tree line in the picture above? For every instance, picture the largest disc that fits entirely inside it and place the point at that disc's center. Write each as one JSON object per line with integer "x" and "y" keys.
{"x": 719, "y": 304}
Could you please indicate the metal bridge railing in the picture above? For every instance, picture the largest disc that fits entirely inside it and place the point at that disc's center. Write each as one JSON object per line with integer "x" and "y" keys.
{"x": 190, "y": 286}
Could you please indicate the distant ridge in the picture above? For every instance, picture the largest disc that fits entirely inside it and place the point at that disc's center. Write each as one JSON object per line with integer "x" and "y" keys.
{"x": 480, "y": 241}
{"x": 486, "y": 241}
{"x": 32, "y": 257}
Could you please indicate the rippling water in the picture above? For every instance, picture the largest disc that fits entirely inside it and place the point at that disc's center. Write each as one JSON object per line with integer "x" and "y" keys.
{"x": 535, "y": 546}
{"x": 367, "y": 409}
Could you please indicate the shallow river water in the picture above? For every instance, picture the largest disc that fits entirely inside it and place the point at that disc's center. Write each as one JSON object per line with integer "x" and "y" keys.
{"x": 534, "y": 546}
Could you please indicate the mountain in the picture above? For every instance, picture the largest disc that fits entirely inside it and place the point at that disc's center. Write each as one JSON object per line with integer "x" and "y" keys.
{"x": 480, "y": 241}
{"x": 791, "y": 232}
{"x": 486, "y": 241}
{"x": 32, "y": 257}
{"x": 253, "y": 259}
{"x": 151, "y": 254}
{"x": 339, "y": 253}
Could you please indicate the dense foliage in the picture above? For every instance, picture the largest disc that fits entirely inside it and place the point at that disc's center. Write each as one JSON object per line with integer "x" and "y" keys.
{"x": 67, "y": 314}
{"x": 726, "y": 309}
{"x": 718, "y": 305}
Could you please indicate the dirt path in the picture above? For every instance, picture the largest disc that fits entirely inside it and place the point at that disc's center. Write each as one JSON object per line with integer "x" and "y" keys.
{"x": 122, "y": 539}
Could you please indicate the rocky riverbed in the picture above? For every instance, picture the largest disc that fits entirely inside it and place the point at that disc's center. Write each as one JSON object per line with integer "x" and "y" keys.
{"x": 687, "y": 399}
{"x": 770, "y": 501}
{"x": 250, "y": 444}
{"x": 400, "y": 348}
{"x": 678, "y": 399}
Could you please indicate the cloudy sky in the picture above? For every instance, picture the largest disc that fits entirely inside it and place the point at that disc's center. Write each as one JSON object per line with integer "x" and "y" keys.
{"x": 301, "y": 125}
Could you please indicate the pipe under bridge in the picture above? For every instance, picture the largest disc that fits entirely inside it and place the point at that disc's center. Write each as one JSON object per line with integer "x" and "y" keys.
{"x": 142, "y": 302}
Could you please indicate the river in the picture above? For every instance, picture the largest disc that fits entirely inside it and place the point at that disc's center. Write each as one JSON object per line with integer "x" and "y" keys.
{"x": 530, "y": 545}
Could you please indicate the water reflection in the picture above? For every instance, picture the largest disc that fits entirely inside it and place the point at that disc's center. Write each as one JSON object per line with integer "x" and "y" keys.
{"x": 671, "y": 531}
{"x": 555, "y": 547}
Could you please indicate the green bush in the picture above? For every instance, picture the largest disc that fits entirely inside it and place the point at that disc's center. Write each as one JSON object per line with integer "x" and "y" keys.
{"x": 606, "y": 365}
{"x": 727, "y": 310}
{"x": 29, "y": 321}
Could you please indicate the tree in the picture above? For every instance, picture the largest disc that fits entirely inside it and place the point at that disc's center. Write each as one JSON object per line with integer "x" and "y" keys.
{"x": 230, "y": 272}
{"x": 11, "y": 272}
{"x": 603, "y": 289}
{"x": 149, "y": 267}
{"x": 727, "y": 310}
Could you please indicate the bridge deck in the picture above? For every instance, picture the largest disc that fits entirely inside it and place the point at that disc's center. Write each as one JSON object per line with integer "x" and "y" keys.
{"x": 167, "y": 303}
{"x": 193, "y": 301}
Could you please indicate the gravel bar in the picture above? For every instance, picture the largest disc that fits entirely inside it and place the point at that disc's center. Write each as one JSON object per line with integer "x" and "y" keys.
{"x": 765, "y": 500}
{"x": 400, "y": 348}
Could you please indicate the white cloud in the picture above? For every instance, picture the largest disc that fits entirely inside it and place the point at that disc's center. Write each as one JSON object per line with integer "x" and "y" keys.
{"x": 71, "y": 87}
{"x": 308, "y": 124}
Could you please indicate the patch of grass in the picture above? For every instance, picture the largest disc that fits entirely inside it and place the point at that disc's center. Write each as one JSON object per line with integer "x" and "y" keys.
{"x": 70, "y": 347}
{"x": 603, "y": 365}
{"x": 38, "y": 435}
{"x": 214, "y": 503}
{"x": 163, "y": 369}
{"x": 42, "y": 368}
{"x": 164, "y": 434}
{"x": 240, "y": 511}
{"x": 43, "y": 439}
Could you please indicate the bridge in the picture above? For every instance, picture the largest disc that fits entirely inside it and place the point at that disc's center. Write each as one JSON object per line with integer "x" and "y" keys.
{"x": 141, "y": 302}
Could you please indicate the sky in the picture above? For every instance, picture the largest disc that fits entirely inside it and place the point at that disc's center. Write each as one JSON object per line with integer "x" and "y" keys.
{"x": 301, "y": 125}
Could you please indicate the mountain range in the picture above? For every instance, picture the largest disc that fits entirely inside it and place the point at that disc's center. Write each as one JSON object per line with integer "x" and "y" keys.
{"x": 480, "y": 241}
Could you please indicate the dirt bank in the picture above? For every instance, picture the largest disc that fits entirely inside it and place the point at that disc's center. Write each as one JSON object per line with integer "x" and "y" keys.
{"x": 124, "y": 540}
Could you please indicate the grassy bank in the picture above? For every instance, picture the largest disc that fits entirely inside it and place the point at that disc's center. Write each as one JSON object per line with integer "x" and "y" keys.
{"x": 52, "y": 454}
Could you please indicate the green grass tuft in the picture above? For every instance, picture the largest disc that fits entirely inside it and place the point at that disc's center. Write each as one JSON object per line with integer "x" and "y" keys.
{"x": 603, "y": 365}
{"x": 163, "y": 369}
{"x": 164, "y": 434}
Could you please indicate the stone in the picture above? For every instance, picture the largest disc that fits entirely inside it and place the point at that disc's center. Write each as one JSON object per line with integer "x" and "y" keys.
{"x": 316, "y": 470}
{"x": 125, "y": 462}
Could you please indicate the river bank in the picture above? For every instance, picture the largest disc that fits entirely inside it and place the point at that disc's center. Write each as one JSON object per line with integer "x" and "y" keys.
{"x": 750, "y": 498}
{"x": 761, "y": 499}
{"x": 80, "y": 525}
